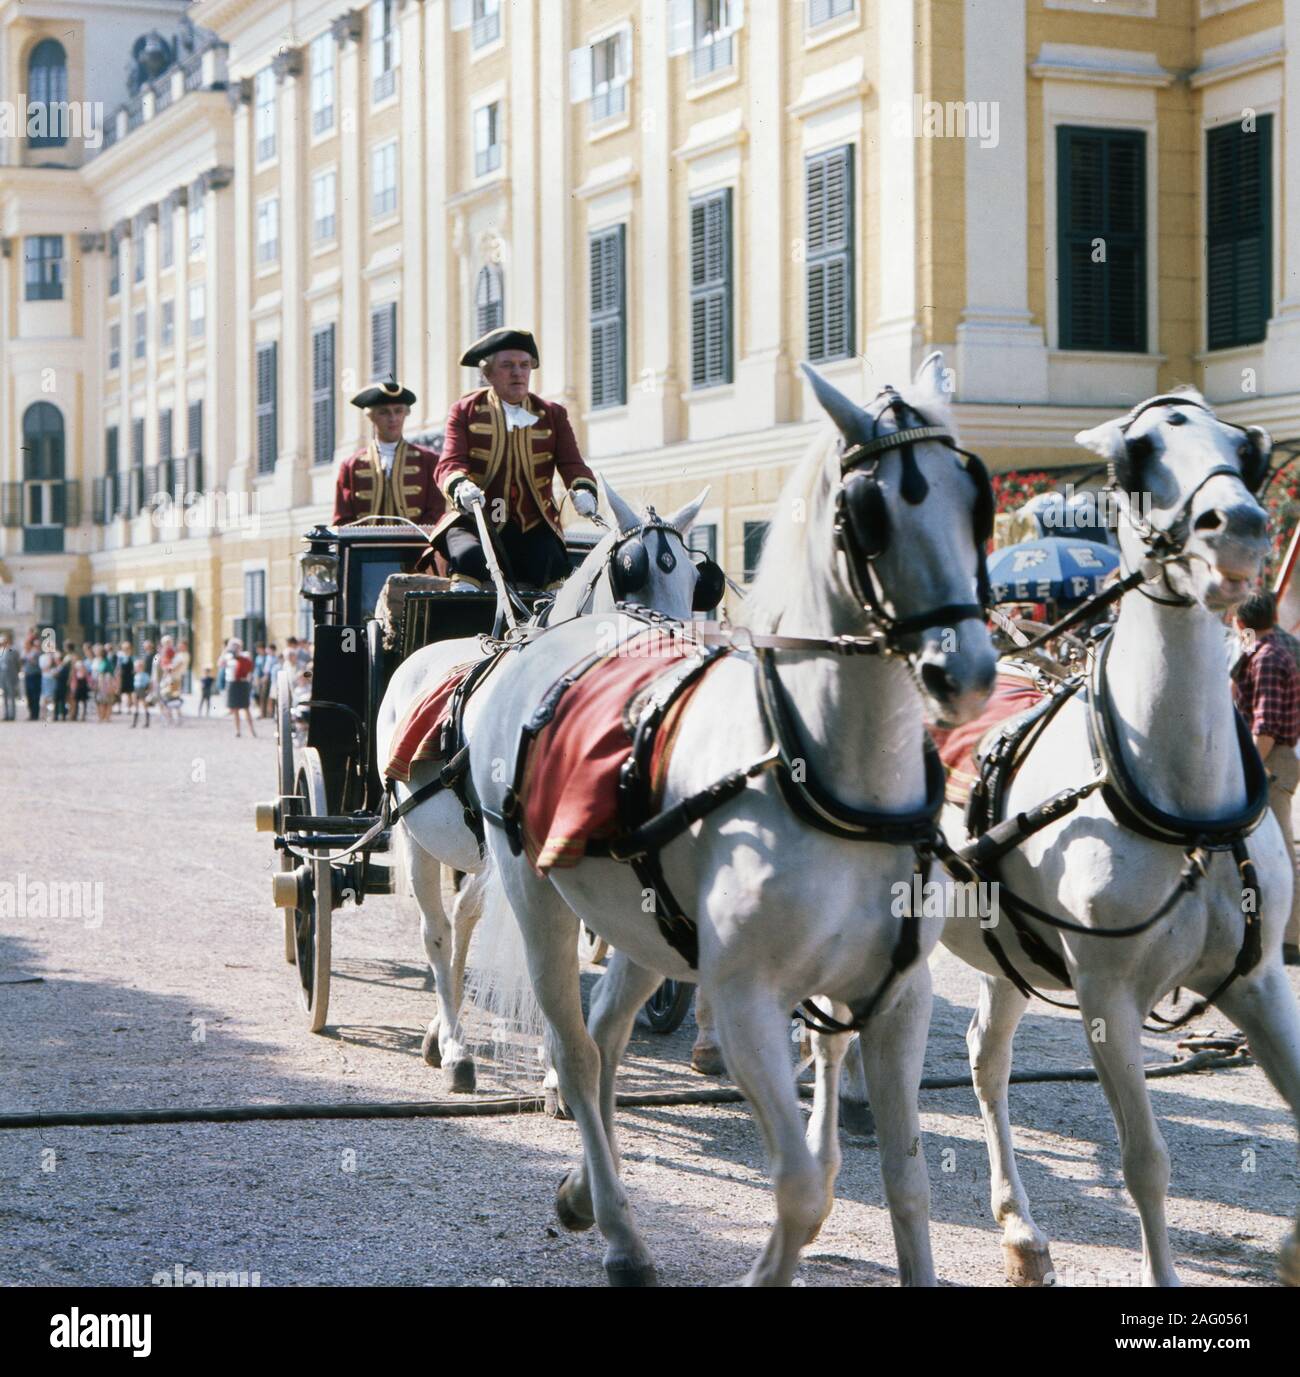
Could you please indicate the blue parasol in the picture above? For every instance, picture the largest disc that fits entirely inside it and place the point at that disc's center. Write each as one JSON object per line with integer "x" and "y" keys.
{"x": 1057, "y": 569}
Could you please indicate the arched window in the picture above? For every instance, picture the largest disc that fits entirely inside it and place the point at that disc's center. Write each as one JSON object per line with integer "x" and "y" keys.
{"x": 47, "y": 89}
{"x": 489, "y": 299}
{"x": 45, "y": 494}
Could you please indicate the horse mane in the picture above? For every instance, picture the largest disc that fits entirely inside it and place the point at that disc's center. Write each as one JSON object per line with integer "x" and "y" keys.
{"x": 785, "y": 549}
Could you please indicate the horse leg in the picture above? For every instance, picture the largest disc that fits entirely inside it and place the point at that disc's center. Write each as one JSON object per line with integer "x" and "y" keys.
{"x": 620, "y": 993}
{"x": 1266, "y": 1011}
{"x": 855, "y": 1104}
{"x": 823, "y": 1136}
{"x": 444, "y": 1041}
{"x": 1114, "y": 1023}
{"x": 465, "y": 913}
{"x": 550, "y": 930}
{"x": 755, "y": 1033}
{"x": 893, "y": 1048}
{"x": 989, "y": 1040}
{"x": 706, "y": 1055}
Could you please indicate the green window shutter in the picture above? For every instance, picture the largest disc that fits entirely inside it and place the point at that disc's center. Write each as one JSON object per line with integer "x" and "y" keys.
{"x": 711, "y": 290}
{"x": 383, "y": 343}
{"x": 322, "y": 395}
{"x": 755, "y": 536}
{"x": 1238, "y": 233}
{"x": 828, "y": 194}
{"x": 1101, "y": 238}
{"x": 608, "y": 318}
{"x": 267, "y": 399}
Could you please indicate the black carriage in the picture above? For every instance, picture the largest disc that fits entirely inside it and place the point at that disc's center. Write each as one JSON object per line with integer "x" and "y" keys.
{"x": 329, "y": 789}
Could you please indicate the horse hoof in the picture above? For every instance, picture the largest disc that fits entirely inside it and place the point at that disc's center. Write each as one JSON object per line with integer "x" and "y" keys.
{"x": 459, "y": 1077}
{"x": 631, "y": 1274}
{"x": 1288, "y": 1263}
{"x": 572, "y": 1219}
{"x": 554, "y": 1105}
{"x": 429, "y": 1048}
{"x": 1028, "y": 1264}
{"x": 856, "y": 1119}
{"x": 707, "y": 1061}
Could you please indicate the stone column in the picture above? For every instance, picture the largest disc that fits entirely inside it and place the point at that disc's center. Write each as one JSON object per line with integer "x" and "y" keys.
{"x": 417, "y": 216}
{"x": 293, "y": 462}
{"x": 352, "y": 201}
{"x": 1001, "y": 352}
{"x": 438, "y": 390}
{"x": 1282, "y": 346}
{"x": 558, "y": 339}
{"x": 522, "y": 153}
{"x": 243, "y": 455}
{"x": 762, "y": 375}
{"x": 654, "y": 405}
{"x": 893, "y": 345}
{"x": 226, "y": 371}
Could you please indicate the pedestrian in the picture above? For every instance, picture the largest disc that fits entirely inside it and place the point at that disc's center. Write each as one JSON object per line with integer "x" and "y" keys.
{"x": 80, "y": 685}
{"x": 1266, "y": 688}
{"x": 11, "y": 663}
{"x": 105, "y": 683}
{"x": 239, "y": 683}
{"x": 125, "y": 673}
{"x": 49, "y": 682}
{"x": 205, "y": 692}
{"x": 140, "y": 682}
{"x": 63, "y": 681}
{"x": 32, "y": 675}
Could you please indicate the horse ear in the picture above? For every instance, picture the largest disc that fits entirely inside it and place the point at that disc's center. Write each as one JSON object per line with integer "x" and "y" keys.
{"x": 929, "y": 392}
{"x": 847, "y": 415}
{"x": 1106, "y": 439}
{"x": 1191, "y": 393}
{"x": 685, "y": 519}
{"x": 625, "y": 518}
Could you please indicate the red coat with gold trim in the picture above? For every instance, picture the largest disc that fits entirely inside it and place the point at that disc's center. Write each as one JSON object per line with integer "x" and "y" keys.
{"x": 410, "y": 491}
{"x": 513, "y": 467}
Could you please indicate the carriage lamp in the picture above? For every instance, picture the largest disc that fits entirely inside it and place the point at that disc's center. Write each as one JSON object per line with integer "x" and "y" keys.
{"x": 320, "y": 575}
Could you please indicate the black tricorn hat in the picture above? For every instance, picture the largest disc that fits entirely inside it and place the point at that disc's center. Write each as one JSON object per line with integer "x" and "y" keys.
{"x": 384, "y": 394}
{"x": 496, "y": 340}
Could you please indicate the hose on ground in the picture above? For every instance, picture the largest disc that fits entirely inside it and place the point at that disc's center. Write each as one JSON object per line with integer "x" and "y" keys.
{"x": 523, "y": 1104}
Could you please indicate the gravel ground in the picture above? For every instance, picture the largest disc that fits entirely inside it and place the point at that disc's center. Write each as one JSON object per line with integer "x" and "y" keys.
{"x": 180, "y": 996}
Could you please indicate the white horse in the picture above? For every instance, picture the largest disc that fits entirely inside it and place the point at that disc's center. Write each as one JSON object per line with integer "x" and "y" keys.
{"x": 1165, "y": 679}
{"x": 434, "y": 833}
{"x": 783, "y": 908}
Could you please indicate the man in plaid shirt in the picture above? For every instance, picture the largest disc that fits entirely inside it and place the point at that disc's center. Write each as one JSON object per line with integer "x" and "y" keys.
{"x": 1266, "y": 687}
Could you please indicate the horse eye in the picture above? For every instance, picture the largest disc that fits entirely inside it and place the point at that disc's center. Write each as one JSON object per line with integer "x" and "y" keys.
{"x": 1178, "y": 419}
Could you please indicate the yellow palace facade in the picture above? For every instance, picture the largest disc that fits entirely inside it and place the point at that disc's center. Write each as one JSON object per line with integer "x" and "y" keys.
{"x": 1079, "y": 203}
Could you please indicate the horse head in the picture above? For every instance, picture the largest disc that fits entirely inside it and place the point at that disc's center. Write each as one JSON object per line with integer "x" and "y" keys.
{"x": 1182, "y": 483}
{"x": 644, "y": 560}
{"x": 910, "y": 519}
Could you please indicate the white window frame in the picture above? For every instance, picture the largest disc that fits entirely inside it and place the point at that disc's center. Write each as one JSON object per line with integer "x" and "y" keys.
{"x": 385, "y": 50}
{"x": 196, "y": 216}
{"x": 686, "y": 34}
{"x": 167, "y": 323}
{"x": 140, "y": 334}
{"x": 488, "y": 157}
{"x": 583, "y": 85}
{"x": 268, "y": 243}
{"x": 115, "y": 346}
{"x": 166, "y": 234}
{"x": 264, "y": 122}
{"x": 324, "y": 221}
{"x": 383, "y": 180}
{"x": 198, "y": 321}
{"x": 324, "y": 84}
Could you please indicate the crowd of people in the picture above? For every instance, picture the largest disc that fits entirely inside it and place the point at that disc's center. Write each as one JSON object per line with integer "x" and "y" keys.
{"x": 74, "y": 681}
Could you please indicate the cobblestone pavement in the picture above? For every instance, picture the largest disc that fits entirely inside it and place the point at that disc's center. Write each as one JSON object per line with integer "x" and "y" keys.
{"x": 180, "y": 996}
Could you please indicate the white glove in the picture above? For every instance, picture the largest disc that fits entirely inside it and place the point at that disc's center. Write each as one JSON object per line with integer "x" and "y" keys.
{"x": 584, "y": 502}
{"x": 469, "y": 495}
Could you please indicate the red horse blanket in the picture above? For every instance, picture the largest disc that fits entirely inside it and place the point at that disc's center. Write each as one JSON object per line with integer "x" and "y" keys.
{"x": 418, "y": 732}
{"x": 570, "y": 784}
{"x": 959, "y": 746}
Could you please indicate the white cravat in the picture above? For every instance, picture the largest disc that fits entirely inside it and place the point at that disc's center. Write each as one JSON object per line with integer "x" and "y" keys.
{"x": 517, "y": 416}
{"x": 387, "y": 453}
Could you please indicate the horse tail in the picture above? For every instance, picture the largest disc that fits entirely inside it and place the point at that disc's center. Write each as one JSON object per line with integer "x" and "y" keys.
{"x": 498, "y": 985}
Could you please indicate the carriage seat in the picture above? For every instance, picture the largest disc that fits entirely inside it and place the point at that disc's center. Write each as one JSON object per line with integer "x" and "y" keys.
{"x": 391, "y": 605}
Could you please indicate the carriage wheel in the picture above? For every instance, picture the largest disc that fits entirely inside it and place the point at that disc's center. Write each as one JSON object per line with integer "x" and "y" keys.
{"x": 592, "y": 947}
{"x": 285, "y": 786}
{"x": 666, "y": 1008}
{"x": 312, "y": 923}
